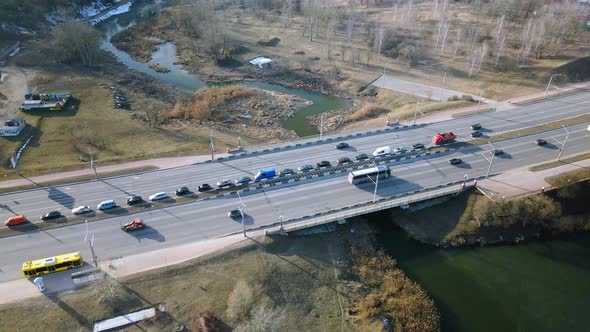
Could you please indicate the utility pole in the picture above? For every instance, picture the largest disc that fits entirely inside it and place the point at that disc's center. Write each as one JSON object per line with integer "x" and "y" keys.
{"x": 322, "y": 125}
{"x": 491, "y": 160}
{"x": 416, "y": 113}
{"x": 549, "y": 84}
{"x": 479, "y": 100}
{"x": 211, "y": 146}
{"x": 564, "y": 142}
{"x": 442, "y": 88}
{"x": 241, "y": 208}
{"x": 92, "y": 165}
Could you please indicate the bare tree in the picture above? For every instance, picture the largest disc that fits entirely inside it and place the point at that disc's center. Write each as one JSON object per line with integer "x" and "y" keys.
{"x": 77, "y": 42}
{"x": 457, "y": 43}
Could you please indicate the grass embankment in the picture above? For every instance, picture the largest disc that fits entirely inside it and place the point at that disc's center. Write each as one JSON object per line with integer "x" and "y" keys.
{"x": 562, "y": 162}
{"x": 61, "y": 138}
{"x": 568, "y": 178}
{"x": 471, "y": 218}
{"x": 279, "y": 283}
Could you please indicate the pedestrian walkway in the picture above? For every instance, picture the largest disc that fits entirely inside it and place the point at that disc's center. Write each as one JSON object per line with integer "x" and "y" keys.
{"x": 521, "y": 181}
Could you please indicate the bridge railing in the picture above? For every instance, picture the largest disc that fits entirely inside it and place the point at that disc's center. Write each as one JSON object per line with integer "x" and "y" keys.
{"x": 370, "y": 207}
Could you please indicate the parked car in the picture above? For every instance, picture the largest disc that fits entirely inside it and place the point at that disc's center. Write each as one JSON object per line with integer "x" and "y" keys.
{"x": 51, "y": 215}
{"x": 342, "y": 145}
{"x": 204, "y": 187}
{"x": 122, "y": 105}
{"x": 497, "y": 152}
{"x": 234, "y": 214}
{"x": 322, "y": 164}
{"x": 81, "y": 210}
{"x": 541, "y": 141}
{"x": 400, "y": 150}
{"x": 476, "y": 133}
{"x": 287, "y": 171}
{"x": 182, "y": 191}
{"x": 455, "y": 161}
{"x": 133, "y": 200}
{"x": 343, "y": 160}
{"x": 16, "y": 220}
{"x": 418, "y": 146}
{"x": 158, "y": 196}
{"x": 476, "y": 126}
{"x": 224, "y": 183}
{"x": 243, "y": 180}
{"x": 120, "y": 97}
{"x": 305, "y": 168}
{"x": 361, "y": 156}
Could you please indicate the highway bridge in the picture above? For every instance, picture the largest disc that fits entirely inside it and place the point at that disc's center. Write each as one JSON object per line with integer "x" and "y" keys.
{"x": 181, "y": 223}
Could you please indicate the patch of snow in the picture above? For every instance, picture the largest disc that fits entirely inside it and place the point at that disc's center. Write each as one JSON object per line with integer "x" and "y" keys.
{"x": 260, "y": 61}
{"x": 93, "y": 9}
{"x": 119, "y": 10}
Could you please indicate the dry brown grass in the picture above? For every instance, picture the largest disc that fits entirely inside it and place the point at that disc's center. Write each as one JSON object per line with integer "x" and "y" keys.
{"x": 206, "y": 102}
{"x": 369, "y": 111}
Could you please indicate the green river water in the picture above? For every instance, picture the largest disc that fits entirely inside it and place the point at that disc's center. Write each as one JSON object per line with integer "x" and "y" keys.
{"x": 536, "y": 286}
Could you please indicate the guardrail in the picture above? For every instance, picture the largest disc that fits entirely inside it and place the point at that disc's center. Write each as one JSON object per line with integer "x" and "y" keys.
{"x": 369, "y": 207}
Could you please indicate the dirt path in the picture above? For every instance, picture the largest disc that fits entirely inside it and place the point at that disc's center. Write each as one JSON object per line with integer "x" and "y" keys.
{"x": 14, "y": 84}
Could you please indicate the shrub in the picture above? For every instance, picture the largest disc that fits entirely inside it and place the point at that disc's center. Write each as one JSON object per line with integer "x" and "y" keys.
{"x": 537, "y": 210}
{"x": 204, "y": 104}
{"x": 239, "y": 301}
{"x": 467, "y": 97}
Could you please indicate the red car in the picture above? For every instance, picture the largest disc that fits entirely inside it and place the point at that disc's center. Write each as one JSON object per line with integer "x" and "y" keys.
{"x": 16, "y": 220}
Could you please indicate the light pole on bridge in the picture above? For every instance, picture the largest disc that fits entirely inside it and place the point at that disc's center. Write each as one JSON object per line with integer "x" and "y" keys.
{"x": 562, "y": 143}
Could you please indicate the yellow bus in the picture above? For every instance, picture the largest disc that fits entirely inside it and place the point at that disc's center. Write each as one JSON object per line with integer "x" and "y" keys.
{"x": 52, "y": 264}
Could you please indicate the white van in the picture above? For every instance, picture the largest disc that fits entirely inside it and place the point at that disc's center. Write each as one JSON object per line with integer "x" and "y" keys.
{"x": 105, "y": 205}
{"x": 382, "y": 151}
{"x": 158, "y": 196}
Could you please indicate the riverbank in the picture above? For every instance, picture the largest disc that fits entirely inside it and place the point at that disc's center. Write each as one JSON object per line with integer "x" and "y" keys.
{"x": 473, "y": 218}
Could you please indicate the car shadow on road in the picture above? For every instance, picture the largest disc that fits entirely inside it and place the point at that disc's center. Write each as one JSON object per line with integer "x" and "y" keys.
{"x": 248, "y": 219}
{"x": 463, "y": 165}
{"x": 115, "y": 211}
{"x": 149, "y": 233}
{"x": 27, "y": 227}
{"x": 550, "y": 146}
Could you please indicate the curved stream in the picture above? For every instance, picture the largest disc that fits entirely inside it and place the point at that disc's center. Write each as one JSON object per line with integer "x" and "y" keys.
{"x": 166, "y": 57}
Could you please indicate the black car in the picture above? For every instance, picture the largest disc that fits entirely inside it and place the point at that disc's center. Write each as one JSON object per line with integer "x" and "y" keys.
{"x": 418, "y": 146}
{"x": 343, "y": 160}
{"x": 243, "y": 180}
{"x": 342, "y": 145}
{"x": 120, "y": 97}
{"x": 234, "y": 214}
{"x": 476, "y": 126}
{"x": 361, "y": 156}
{"x": 476, "y": 133}
{"x": 182, "y": 191}
{"x": 497, "y": 152}
{"x": 204, "y": 187}
{"x": 455, "y": 161}
{"x": 122, "y": 105}
{"x": 132, "y": 200}
{"x": 322, "y": 164}
{"x": 286, "y": 171}
{"x": 51, "y": 215}
{"x": 305, "y": 168}
{"x": 541, "y": 141}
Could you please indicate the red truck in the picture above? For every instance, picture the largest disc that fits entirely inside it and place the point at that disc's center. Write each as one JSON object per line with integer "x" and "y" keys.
{"x": 134, "y": 225}
{"x": 442, "y": 138}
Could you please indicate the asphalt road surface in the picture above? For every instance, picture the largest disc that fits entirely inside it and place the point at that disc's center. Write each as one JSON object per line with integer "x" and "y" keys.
{"x": 34, "y": 203}
{"x": 200, "y": 220}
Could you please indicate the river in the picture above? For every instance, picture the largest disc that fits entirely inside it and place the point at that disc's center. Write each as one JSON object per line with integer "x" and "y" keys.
{"x": 536, "y": 286}
{"x": 166, "y": 57}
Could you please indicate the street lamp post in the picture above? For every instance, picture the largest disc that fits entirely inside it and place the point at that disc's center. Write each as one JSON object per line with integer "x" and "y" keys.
{"x": 416, "y": 113}
{"x": 376, "y": 182}
{"x": 491, "y": 160}
{"x": 241, "y": 209}
{"x": 479, "y": 100}
{"x": 549, "y": 84}
{"x": 567, "y": 134}
{"x": 281, "y": 220}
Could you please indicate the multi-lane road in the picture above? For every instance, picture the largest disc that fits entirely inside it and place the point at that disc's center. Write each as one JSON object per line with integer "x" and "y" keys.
{"x": 206, "y": 219}
{"x": 34, "y": 203}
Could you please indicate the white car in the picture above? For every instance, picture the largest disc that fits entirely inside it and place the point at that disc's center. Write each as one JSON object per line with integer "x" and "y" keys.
{"x": 158, "y": 196}
{"x": 224, "y": 183}
{"x": 81, "y": 209}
